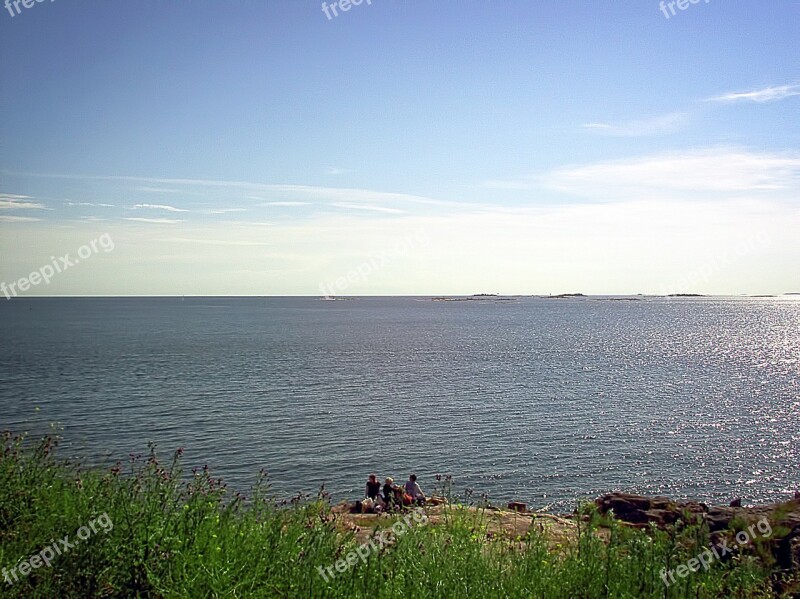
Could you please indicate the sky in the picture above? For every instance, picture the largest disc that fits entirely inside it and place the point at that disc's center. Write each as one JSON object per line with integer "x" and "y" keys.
{"x": 284, "y": 147}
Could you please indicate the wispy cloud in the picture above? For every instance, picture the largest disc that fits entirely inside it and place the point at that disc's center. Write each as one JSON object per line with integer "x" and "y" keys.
{"x": 157, "y": 221}
{"x": 159, "y": 190}
{"x": 705, "y": 171}
{"x": 767, "y": 94}
{"x": 510, "y": 184}
{"x": 221, "y": 210}
{"x": 158, "y": 207}
{"x": 18, "y": 219}
{"x": 72, "y": 204}
{"x": 19, "y": 205}
{"x": 368, "y": 207}
{"x": 333, "y": 170}
{"x": 284, "y": 203}
{"x": 307, "y": 193}
{"x": 659, "y": 125}
{"x": 12, "y": 201}
{"x": 345, "y": 194}
{"x": 226, "y": 242}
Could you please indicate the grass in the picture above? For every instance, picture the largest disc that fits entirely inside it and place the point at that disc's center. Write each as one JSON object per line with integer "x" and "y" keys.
{"x": 173, "y": 538}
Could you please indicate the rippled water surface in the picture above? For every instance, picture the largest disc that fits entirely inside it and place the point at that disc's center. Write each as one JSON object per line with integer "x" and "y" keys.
{"x": 542, "y": 400}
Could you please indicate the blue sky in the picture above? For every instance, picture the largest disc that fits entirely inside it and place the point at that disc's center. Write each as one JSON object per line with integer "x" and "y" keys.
{"x": 260, "y": 148}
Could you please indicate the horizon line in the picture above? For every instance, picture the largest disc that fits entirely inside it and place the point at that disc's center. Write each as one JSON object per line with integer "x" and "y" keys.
{"x": 688, "y": 295}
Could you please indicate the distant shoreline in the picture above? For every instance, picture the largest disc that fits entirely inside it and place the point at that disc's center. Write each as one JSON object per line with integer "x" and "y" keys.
{"x": 430, "y": 296}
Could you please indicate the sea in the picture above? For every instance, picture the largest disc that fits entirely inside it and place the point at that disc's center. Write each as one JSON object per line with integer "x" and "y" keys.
{"x": 545, "y": 400}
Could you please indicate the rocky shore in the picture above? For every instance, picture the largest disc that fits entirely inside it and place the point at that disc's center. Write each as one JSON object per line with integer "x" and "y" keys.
{"x": 722, "y": 521}
{"x": 638, "y": 511}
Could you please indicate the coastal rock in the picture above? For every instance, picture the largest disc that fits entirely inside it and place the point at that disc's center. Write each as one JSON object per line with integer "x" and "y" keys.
{"x": 641, "y": 510}
{"x": 782, "y": 540}
{"x": 788, "y": 550}
{"x": 719, "y": 517}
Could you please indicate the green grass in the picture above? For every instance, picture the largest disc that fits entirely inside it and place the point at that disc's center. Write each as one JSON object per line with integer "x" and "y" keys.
{"x": 173, "y": 538}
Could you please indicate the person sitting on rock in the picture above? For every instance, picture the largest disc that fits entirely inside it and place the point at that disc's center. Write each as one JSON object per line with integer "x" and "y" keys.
{"x": 373, "y": 487}
{"x": 413, "y": 489}
{"x": 388, "y": 493}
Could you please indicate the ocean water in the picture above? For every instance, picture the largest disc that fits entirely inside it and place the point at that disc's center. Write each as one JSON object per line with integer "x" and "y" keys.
{"x": 535, "y": 399}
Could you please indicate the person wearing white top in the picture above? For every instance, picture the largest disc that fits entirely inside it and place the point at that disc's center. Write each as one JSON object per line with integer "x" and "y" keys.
{"x": 413, "y": 489}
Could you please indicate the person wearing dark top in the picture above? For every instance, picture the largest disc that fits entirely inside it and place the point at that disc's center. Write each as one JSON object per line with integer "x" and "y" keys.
{"x": 388, "y": 492}
{"x": 373, "y": 487}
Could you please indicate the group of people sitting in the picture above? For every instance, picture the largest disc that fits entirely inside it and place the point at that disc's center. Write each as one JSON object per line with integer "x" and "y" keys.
{"x": 391, "y": 496}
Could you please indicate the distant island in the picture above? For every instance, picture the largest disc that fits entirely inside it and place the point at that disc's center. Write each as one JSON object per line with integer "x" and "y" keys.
{"x": 686, "y": 295}
{"x": 478, "y": 297}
